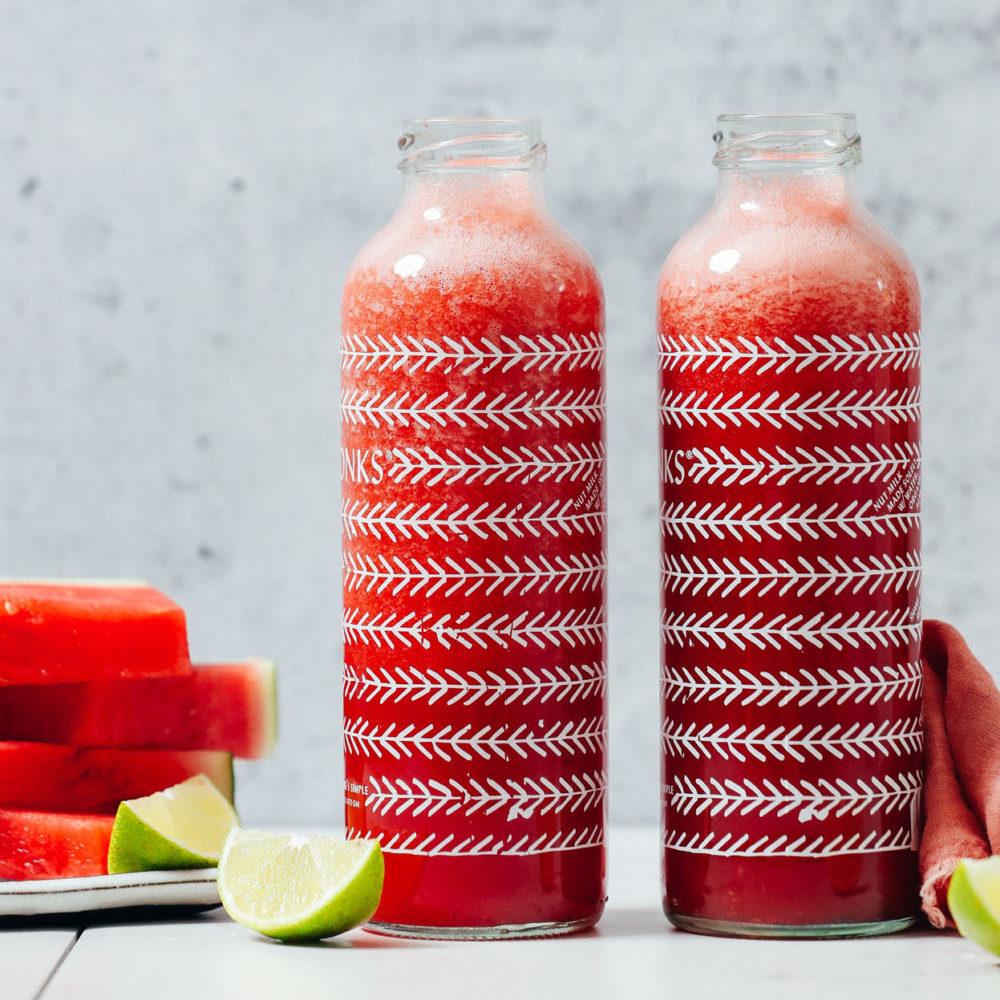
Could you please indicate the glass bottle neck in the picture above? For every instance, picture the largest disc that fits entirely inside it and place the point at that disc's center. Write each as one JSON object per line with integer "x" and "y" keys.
{"x": 777, "y": 163}
{"x": 472, "y": 167}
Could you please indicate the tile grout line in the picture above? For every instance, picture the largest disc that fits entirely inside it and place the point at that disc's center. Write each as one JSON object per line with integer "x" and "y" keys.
{"x": 55, "y": 968}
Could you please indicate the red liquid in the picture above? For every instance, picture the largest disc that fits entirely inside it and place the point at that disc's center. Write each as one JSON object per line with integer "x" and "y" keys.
{"x": 790, "y": 486}
{"x": 474, "y": 499}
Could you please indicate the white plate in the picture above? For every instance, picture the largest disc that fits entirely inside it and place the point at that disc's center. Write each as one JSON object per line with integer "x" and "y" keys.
{"x": 194, "y": 887}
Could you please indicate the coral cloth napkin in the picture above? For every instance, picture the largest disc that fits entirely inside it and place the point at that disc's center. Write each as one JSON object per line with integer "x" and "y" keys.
{"x": 962, "y": 789}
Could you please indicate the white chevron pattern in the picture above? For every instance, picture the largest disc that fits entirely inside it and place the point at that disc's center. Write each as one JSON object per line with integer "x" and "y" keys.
{"x": 519, "y": 797}
{"x": 543, "y": 629}
{"x": 505, "y": 521}
{"x": 743, "y": 576}
{"x": 795, "y": 742}
{"x": 410, "y": 355}
{"x": 839, "y": 408}
{"x": 506, "y": 685}
{"x": 797, "y": 521}
{"x": 807, "y": 800}
{"x": 587, "y": 735}
{"x": 873, "y": 685}
{"x": 451, "y": 845}
{"x": 430, "y": 466}
{"x": 364, "y": 407}
{"x": 855, "y": 464}
{"x": 872, "y": 629}
{"x": 449, "y": 576}
{"x": 757, "y": 355}
{"x": 731, "y": 845}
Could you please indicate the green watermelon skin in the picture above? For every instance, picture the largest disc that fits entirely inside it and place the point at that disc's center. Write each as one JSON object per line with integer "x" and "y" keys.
{"x": 222, "y": 706}
{"x": 38, "y": 845}
{"x": 49, "y": 778}
{"x": 55, "y": 632}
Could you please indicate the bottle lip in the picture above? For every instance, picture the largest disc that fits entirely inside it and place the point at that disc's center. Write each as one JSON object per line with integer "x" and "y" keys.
{"x": 471, "y": 144}
{"x": 791, "y": 116}
{"x": 804, "y": 139}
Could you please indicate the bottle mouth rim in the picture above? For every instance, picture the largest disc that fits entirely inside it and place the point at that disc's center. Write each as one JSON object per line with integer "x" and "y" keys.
{"x": 471, "y": 144}
{"x": 787, "y": 138}
{"x": 809, "y": 116}
{"x": 525, "y": 124}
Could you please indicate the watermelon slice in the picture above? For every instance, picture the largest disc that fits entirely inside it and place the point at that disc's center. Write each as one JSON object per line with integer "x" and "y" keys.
{"x": 55, "y": 631}
{"x": 224, "y": 706}
{"x": 50, "y": 778}
{"x": 53, "y": 845}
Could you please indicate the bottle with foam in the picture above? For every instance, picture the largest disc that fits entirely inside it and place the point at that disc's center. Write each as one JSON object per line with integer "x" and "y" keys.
{"x": 790, "y": 520}
{"x": 474, "y": 515}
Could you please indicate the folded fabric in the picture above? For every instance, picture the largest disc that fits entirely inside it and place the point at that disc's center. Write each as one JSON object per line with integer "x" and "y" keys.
{"x": 962, "y": 787}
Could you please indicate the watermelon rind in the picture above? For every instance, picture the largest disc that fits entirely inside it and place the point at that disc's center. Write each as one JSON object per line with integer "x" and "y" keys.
{"x": 268, "y": 672}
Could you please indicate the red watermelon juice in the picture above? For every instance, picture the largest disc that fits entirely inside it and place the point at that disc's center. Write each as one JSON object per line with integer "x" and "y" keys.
{"x": 474, "y": 557}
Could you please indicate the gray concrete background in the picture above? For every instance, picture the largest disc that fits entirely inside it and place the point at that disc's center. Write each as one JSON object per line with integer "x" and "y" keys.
{"x": 183, "y": 185}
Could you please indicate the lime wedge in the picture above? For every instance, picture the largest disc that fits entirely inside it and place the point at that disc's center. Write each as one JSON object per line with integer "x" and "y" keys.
{"x": 299, "y": 888}
{"x": 974, "y": 901}
{"x": 183, "y": 826}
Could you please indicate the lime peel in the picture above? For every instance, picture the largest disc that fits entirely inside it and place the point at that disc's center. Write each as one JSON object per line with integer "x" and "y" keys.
{"x": 299, "y": 888}
{"x": 183, "y": 826}
{"x": 974, "y": 901}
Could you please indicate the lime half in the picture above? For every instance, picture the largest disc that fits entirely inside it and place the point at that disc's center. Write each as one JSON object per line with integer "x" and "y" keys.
{"x": 183, "y": 826}
{"x": 299, "y": 888}
{"x": 974, "y": 901}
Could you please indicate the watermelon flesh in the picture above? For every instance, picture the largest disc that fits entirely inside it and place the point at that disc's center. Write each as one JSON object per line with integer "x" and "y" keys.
{"x": 66, "y": 631}
{"x": 53, "y": 845}
{"x": 49, "y": 778}
{"x": 224, "y": 706}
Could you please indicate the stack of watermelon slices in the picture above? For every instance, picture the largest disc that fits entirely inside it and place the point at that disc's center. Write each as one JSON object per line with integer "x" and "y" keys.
{"x": 99, "y": 702}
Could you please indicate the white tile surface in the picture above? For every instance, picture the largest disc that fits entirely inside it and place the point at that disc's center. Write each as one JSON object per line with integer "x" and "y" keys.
{"x": 27, "y": 957}
{"x": 632, "y": 955}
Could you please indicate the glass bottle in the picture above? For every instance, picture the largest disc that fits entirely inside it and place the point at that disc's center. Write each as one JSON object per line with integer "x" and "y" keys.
{"x": 790, "y": 520}
{"x": 474, "y": 516}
